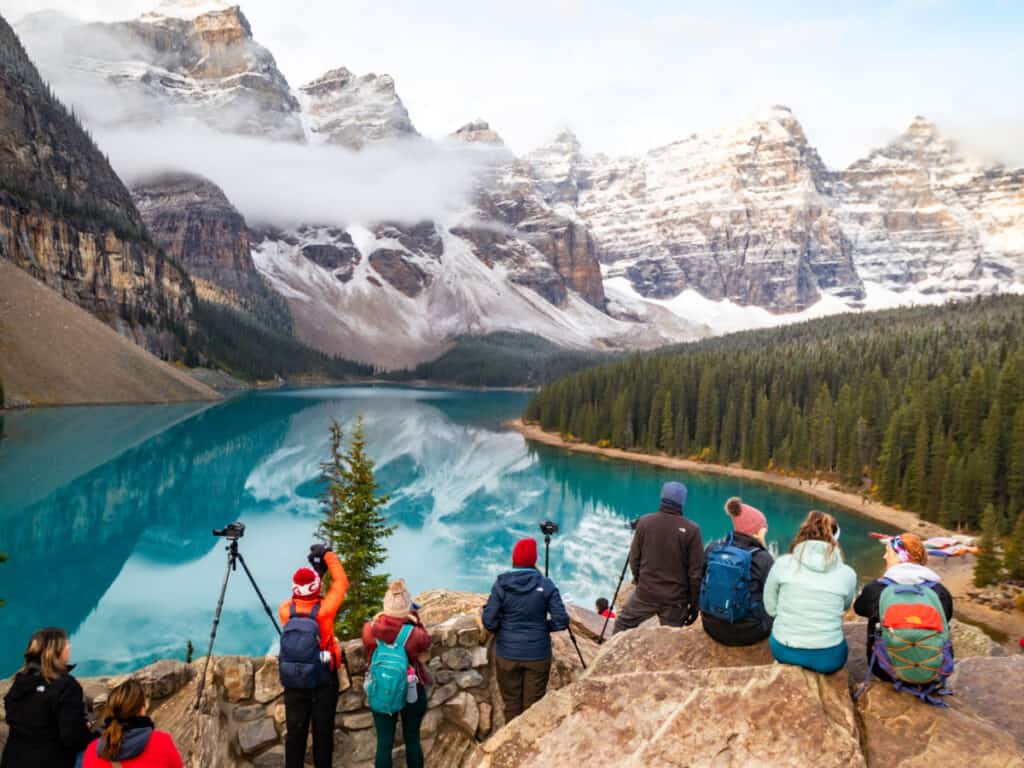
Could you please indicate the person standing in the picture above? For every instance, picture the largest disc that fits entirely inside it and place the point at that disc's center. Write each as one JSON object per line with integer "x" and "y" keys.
{"x": 522, "y": 611}
{"x": 128, "y": 735}
{"x": 45, "y": 707}
{"x": 399, "y": 618}
{"x": 807, "y": 592}
{"x": 667, "y": 562}
{"x": 311, "y": 685}
{"x": 740, "y": 561}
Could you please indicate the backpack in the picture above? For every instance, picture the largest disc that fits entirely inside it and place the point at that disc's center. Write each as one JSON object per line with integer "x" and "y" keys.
{"x": 725, "y": 590}
{"x": 387, "y": 679}
{"x": 912, "y": 642}
{"x": 299, "y": 663}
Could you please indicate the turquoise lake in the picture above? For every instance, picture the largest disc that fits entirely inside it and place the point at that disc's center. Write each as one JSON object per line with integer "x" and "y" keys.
{"x": 107, "y": 511}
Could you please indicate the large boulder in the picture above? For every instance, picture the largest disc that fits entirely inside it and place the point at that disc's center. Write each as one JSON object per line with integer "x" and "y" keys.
{"x": 993, "y": 689}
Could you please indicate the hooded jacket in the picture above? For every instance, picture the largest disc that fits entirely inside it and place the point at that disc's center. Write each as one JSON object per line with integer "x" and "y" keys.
{"x": 902, "y": 573}
{"x": 47, "y": 721}
{"x": 142, "y": 747}
{"x": 758, "y": 625}
{"x": 666, "y": 558}
{"x": 807, "y": 592}
{"x": 518, "y": 611}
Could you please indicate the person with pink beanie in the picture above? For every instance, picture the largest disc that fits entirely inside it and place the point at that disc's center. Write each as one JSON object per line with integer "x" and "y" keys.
{"x": 749, "y": 528}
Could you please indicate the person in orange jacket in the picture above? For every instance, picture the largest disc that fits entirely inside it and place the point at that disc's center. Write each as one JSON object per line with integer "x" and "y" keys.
{"x": 315, "y": 705}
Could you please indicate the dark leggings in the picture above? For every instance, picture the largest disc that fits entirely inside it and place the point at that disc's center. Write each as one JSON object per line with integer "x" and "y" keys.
{"x": 412, "y": 716}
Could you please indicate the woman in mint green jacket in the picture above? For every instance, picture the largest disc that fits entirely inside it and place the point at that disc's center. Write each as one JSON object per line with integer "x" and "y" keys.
{"x": 807, "y": 591}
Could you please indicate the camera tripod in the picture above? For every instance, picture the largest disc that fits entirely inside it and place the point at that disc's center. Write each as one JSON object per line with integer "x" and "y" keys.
{"x": 234, "y": 557}
{"x": 547, "y": 550}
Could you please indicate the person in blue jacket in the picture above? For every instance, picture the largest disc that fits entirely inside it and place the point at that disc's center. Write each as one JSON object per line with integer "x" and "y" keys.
{"x": 524, "y": 608}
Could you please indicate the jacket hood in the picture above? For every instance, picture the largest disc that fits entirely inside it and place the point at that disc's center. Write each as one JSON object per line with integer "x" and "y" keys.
{"x": 817, "y": 556}
{"x": 521, "y": 580}
{"x": 911, "y": 573}
{"x": 136, "y": 737}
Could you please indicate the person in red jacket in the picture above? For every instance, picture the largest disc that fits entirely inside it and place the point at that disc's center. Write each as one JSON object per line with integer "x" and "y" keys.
{"x": 399, "y": 611}
{"x": 129, "y": 738}
{"x": 317, "y": 705}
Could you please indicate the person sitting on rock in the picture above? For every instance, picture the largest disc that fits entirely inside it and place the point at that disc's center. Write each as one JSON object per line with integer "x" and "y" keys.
{"x": 905, "y": 563}
{"x": 128, "y": 735}
{"x": 667, "y": 562}
{"x": 45, "y": 707}
{"x": 602, "y": 608}
{"x": 807, "y": 592}
{"x": 749, "y": 528}
{"x": 386, "y": 627}
{"x": 314, "y": 703}
{"x": 524, "y": 607}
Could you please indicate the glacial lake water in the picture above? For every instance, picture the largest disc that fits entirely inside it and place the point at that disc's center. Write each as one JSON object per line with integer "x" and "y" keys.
{"x": 107, "y": 511}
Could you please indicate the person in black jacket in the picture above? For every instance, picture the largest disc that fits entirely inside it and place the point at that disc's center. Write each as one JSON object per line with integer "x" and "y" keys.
{"x": 45, "y": 707}
{"x": 524, "y": 608}
{"x": 749, "y": 527}
{"x": 906, "y": 559}
{"x": 667, "y": 562}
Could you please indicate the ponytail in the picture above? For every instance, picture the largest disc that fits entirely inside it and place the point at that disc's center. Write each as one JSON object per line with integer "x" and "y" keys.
{"x": 126, "y": 701}
{"x": 112, "y": 739}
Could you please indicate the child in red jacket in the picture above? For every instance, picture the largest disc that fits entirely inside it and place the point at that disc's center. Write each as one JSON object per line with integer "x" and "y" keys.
{"x": 129, "y": 737}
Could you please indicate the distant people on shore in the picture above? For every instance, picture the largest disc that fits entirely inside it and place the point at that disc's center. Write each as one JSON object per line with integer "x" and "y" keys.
{"x": 128, "y": 735}
{"x": 666, "y": 559}
{"x": 735, "y": 571}
{"x": 46, "y": 707}
{"x": 603, "y": 610}
{"x": 522, "y": 611}
{"x": 807, "y": 592}
{"x": 310, "y": 658}
{"x": 397, "y": 649}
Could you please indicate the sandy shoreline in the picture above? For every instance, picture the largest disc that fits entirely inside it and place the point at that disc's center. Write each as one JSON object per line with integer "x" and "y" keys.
{"x": 956, "y": 573}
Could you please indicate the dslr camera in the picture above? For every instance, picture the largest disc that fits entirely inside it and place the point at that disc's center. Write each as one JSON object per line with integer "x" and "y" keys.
{"x": 549, "y": 528}
{"x": 232, "y": 532}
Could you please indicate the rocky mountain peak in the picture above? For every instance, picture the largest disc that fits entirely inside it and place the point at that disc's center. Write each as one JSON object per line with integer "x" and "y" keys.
{"x": 189, "y": 9}
{"x": 478, "y": 132}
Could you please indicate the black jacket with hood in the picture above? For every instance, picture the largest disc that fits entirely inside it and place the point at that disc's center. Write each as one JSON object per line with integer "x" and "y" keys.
{"x": 47, "y": 721}
{"x": 667, "y": 558}
{"x": 517, "y": 613}
{"x": 758, "y": 625}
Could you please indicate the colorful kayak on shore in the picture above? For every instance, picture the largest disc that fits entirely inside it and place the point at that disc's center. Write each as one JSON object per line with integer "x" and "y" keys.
{"x": 942, "y": 546}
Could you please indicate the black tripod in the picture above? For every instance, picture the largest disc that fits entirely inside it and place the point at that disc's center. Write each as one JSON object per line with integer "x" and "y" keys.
{"x": 234, "y": 557}
{"x": 622, "y": 576}
{"x": 547, "y": 550}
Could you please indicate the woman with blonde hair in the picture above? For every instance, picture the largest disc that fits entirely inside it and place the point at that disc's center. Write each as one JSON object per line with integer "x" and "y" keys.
{"x": 45, "y": 707}
{"x": 807, "y": 592}
{"x": 129, "y": 738}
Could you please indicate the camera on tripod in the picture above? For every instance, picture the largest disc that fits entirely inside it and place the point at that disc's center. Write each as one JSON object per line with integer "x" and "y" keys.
{"x": 232, "y": 532}
{"x": 549, "y": 528}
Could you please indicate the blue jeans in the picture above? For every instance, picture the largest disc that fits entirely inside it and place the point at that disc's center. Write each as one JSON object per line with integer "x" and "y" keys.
{"x": 823, "y": 660}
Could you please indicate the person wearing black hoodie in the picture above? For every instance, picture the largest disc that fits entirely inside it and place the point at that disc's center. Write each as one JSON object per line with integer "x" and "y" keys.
{"x": 45, "y": 707}
{"x": 523, "y": 609}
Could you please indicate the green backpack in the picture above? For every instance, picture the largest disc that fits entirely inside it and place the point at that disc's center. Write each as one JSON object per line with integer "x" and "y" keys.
{"x": 912, "y": 642}
{"x": 386, "y": 680}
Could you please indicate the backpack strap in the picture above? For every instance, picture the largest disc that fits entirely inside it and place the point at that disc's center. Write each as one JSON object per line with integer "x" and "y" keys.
{"x": 729, "y": 539}
{"x": 403, "y": 635}
{"x": 291, "y": 610}
{"x": 316, "y": 610}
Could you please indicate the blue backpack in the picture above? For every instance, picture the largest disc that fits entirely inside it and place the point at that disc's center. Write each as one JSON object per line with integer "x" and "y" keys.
{"x": 387, "y": 681}
{"x": 725, "y": 591}
{"x": 299, "y": 663}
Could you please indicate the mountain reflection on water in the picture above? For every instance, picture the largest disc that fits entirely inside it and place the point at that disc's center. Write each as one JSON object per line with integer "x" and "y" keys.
{"x": 107, "y": 511}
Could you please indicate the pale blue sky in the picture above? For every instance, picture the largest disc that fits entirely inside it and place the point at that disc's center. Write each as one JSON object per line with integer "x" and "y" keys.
{"x": 627, "y": 76}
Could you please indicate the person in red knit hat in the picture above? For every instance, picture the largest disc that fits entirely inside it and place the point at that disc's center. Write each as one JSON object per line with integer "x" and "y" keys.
{"x": 315, "y": 702}
{"x": 523, "y": 609}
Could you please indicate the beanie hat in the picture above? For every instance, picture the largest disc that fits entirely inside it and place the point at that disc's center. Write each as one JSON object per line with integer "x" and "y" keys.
{"x": 750, "y": 520}
{"x": 397, "y": 600}
{"x": 305, "y": 583}
{"x": 524, "y": 553}
{"x": 674, "y": 493}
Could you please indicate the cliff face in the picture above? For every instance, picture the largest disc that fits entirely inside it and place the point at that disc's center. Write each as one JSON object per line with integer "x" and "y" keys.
{"x": 198, "y": 227}
{"x": 67, "y": 219}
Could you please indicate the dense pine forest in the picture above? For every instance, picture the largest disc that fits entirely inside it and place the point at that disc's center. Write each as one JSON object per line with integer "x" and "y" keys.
{"x": 923, "y": 407}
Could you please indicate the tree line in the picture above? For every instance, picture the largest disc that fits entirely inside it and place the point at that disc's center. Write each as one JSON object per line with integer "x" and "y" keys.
{"x": 922, "y": 408}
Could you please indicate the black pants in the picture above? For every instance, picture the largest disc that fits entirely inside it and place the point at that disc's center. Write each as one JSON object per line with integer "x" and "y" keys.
{"x": 302, "y": 706}
{"x": 637, "y": 611}
{"x": 412, "y": 716}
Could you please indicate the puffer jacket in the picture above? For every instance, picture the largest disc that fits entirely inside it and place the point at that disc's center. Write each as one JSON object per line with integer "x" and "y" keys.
{"x": 518, "y": 611}
{"x": 142, "y": 747}
{"x": 47, "y": 721}
{"x": 807, "y": 592}
{"x": 758, "y": 625}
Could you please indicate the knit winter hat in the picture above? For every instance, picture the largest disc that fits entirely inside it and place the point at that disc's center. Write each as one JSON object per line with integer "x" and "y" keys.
{"x": 397, "y": 600}
{"x": 305, "y": 583}
{"x": 750, "y": 520}
{"x": 524, "y": 553}
{"x": 674, "y": 493}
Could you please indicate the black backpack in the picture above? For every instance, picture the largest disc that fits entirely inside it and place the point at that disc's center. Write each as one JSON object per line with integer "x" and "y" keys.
{"x": 299, "y": 664}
